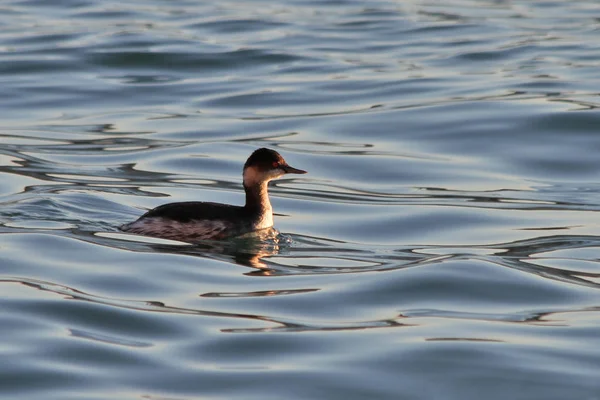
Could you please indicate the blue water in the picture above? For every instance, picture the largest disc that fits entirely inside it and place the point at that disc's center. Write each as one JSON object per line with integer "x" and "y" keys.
{"x": 445, "y": 243}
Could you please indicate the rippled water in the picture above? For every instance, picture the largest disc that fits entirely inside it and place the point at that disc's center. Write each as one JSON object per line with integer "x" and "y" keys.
{"x": 444, "y": 244}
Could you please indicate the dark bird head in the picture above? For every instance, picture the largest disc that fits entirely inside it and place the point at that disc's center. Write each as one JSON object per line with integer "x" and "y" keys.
{"x": 264, "y": 165}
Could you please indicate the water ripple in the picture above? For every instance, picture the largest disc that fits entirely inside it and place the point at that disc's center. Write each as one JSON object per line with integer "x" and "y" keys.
{"x": 444, "y": 243}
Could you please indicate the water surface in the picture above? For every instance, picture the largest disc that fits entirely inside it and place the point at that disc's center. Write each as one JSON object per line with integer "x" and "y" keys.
{"x": 444, "y": 244}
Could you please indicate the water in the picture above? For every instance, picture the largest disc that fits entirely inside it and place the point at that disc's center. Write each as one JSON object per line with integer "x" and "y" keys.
{"x": 444, "y": 244}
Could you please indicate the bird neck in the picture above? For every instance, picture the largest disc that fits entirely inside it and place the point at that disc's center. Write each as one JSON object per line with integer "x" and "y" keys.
{"x": 259, "y": 206}
{"x": 257, "y": 197}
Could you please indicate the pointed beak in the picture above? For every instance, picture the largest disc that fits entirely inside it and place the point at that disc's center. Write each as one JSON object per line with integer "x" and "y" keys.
{"x": 291, "y": 170}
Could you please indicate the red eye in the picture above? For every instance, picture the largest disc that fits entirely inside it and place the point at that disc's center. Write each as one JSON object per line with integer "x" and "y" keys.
{"x": 275, "y": 164}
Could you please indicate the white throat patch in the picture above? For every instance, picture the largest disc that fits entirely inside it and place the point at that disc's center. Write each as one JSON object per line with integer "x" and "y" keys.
{"x": 253, "y": 176}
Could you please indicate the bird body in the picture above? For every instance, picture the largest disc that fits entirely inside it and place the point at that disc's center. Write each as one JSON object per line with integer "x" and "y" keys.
{"x": 194, "y": 221}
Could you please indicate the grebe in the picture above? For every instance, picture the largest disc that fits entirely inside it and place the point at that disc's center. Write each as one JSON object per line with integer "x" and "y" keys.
{"x": 191, "y": 221}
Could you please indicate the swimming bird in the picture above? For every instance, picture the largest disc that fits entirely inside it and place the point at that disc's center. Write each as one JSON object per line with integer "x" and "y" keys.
{"x": 193, "y": 221}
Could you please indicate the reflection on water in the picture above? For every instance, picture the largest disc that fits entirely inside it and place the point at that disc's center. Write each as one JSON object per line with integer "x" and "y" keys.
{"x": 524, "y": 256}
{"x": 503, "y": 262}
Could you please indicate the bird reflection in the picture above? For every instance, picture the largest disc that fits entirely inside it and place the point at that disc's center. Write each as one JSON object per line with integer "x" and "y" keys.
{"x": 248, "y": 250}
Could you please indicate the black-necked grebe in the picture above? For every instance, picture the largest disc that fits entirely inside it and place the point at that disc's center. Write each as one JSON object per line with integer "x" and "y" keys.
{"x": 194, "y": 220}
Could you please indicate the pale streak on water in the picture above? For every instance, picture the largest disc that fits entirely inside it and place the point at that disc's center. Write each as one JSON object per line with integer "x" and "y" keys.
{"x": 444, "y": 244}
